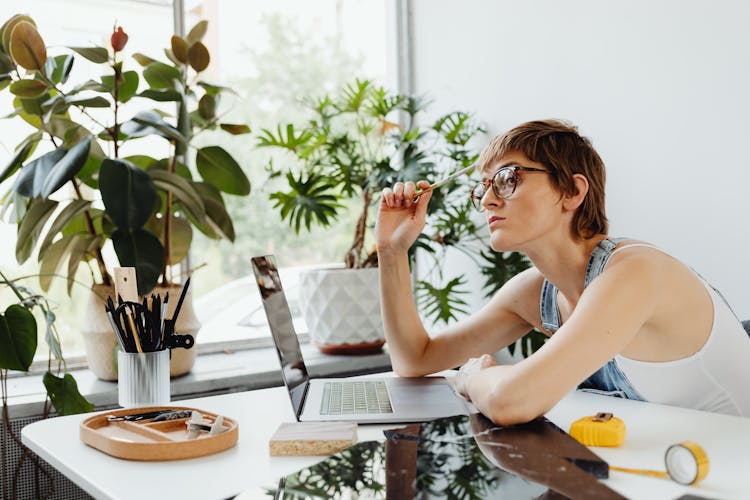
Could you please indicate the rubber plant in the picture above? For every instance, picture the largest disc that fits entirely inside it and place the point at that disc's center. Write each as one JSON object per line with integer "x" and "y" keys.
{"x": 18, "y": 345}
{"x": 149, "y": 205}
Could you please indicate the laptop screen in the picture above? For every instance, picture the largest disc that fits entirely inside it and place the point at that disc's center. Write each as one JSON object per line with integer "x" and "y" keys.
{"x": 293, "y": 369}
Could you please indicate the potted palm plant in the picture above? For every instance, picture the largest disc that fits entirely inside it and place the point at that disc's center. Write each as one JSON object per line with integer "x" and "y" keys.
{"x": 357, "y": 142}
{"x": 73, "y": 190}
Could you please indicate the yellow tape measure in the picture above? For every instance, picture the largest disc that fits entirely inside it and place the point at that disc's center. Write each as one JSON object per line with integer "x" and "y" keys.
{"x": 686, "y": 462}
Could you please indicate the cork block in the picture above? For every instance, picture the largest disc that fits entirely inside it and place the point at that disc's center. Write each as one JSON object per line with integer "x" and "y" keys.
{"x": 312, "y": 438}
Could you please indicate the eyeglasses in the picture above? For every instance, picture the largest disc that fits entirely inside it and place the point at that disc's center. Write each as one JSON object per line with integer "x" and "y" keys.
{"x": 504, "y": 184}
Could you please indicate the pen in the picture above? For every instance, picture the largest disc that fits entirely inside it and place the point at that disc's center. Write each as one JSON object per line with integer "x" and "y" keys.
{"x": 444, "y": 181}
{"x": 179, "y": 301}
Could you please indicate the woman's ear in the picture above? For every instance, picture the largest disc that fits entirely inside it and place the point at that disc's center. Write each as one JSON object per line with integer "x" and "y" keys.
{"x": 572, "y": 202}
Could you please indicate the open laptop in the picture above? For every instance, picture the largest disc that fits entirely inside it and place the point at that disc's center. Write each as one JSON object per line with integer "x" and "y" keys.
{"x": 365, "y": 400}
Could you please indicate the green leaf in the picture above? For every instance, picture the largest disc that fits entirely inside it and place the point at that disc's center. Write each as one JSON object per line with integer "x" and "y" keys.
{"x": 161, "y": 95}
{"x": 212, "y": 89}
{"x": 50, "y": 335}
{"x": 31, "y": 226}
{"x": 235, "y": 129}
{"x": 32, "y": 177}
{"x": 207, "y": 106}
{"x": 442, "y": 304}
{"x": 63, "y": 392}
{"x": 308, "y": 199}
{"x": 161, "y": 76}
{"x": 128, "y": 85}
{"x": 288, "y": 140}
{"x": 97, "y": 55}
{"x": 198, "y": 57}
{"x": 141, "y": 161}
{"x": 71, "y": 210}
{"x": 198, "y": 32}
{"x": 89, "y": 85}
{"x": 181, "y": 235}
{"x": 28, "y": 88}
{"x": 17, "y": 338}
{"x": 90, "y": 171}
{"x": 53, "y": 257}
{"x": 23, "y": 152}
{"x": 81, "y": 250}
{"x": 498, "y": 267}
{"x": 66, "y": 169}
{"x": 67, "y": 130}
{"x": 58, "y": 68}
{"x": 91, "y": 102}
{"x": 150, "y": 123}
{"x": 142, "y": 250}
{"x": 179, "y": 168}
{"x": 142, "y": 59}
{"x": 128, "y": 193}
{"x": 218, "y": 219}
{"x": 220, "y": 169}
{"x": 171, "y": 57}
{"x": 181, "y": 189}
{"x": 27, "y": 47}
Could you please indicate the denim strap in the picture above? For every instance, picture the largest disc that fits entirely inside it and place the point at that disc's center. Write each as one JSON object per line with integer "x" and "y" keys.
{"x": 609, "y": 378}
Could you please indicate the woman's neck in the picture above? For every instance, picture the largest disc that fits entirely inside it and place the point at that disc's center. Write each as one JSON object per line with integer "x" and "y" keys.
{"x": 563, "y": 263}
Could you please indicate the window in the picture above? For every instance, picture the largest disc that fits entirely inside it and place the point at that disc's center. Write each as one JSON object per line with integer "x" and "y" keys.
{"x": 273, "y": 54}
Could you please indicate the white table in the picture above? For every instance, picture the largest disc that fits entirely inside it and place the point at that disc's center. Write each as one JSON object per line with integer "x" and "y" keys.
{"x": 248, "y": 466}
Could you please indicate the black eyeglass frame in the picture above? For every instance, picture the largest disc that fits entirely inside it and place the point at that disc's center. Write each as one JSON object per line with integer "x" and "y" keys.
{"x": 476, "y": 201}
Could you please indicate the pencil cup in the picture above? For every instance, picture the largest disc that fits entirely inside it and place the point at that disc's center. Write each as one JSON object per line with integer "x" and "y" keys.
{"x": 143, "y": 378}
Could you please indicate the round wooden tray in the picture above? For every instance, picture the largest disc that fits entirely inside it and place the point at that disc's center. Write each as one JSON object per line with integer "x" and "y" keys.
{"x": 146, "y": 440}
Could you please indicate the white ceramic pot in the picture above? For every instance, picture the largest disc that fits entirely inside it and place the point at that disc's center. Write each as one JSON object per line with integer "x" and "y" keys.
{"x": 99, "y": 339}
{"x": 342, "y": 309}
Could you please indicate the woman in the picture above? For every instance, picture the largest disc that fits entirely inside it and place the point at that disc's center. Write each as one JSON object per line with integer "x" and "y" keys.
{"x": 622, "y": 316}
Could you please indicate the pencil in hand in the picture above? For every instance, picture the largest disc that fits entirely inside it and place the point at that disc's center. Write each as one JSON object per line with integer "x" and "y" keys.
{"x": 444, "y": 181}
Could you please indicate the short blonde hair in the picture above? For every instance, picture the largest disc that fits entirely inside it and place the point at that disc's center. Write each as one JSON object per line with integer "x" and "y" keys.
{"x": 564, "y": 152}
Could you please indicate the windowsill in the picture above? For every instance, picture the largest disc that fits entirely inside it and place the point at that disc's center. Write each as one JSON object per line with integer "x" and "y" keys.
{"x": 215, "y": 373}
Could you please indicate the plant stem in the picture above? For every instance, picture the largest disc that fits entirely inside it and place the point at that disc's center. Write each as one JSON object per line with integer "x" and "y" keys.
{"x": 168, "y": 224}
{"x": 106, "y": 279}
{"x": 116, "y": 90}
{"x": 352, "y": 257}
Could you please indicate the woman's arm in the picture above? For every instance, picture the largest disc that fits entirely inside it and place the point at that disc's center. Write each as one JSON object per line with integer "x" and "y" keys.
{"x": 413, "y": 351}
{"x": 609, "y": 314}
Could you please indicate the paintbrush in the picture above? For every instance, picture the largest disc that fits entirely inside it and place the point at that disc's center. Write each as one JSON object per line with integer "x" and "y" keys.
{"x": 444, "y": 181}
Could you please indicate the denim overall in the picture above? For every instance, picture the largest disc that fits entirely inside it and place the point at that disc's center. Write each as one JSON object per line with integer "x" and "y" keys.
{"x": 609, "y": 379}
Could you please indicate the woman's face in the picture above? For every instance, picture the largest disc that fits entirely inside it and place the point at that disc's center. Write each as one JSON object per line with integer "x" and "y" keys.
{"x": 532, "y": 211}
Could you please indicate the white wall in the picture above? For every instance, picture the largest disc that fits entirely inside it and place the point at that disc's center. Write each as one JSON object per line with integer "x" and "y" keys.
{"x": 661, "y": 88}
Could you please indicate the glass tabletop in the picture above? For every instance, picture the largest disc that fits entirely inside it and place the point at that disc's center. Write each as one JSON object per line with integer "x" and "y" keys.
{"x": 462, "y": 457}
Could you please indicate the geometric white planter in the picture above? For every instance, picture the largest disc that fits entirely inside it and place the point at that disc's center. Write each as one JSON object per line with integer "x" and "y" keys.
{"x": 342, "y": 309}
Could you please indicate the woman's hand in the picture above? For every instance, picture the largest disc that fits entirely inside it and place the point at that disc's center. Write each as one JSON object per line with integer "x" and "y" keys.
{"x": 400, "y": 219}
{"x": 471, "y": 367}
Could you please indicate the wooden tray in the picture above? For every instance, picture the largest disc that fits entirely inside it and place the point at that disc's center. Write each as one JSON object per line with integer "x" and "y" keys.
{"x": 146, "y": 440}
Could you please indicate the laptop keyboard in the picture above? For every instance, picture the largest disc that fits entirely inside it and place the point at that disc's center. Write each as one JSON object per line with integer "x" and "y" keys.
{"x": 355, "y": 398}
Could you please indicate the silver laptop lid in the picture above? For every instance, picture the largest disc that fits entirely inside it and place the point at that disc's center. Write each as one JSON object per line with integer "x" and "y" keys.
{"x": 293, "y": 369}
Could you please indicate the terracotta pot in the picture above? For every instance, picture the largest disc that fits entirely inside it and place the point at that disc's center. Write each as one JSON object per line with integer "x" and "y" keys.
{"x": 342, "y": 309}
{"x": 100, "y": 342}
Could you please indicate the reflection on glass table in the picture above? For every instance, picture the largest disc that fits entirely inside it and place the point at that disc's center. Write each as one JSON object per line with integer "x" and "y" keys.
{"x": 457, "y": 457}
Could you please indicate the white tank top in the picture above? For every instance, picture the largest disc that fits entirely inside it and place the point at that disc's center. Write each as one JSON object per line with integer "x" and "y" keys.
{"x": 716, "y": 378}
